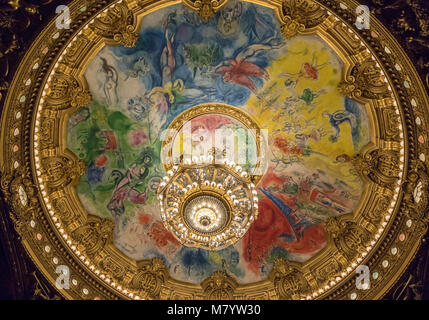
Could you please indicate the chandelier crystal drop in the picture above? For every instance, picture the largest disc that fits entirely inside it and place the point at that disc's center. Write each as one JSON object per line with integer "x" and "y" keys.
{"x": 206, "y": 204}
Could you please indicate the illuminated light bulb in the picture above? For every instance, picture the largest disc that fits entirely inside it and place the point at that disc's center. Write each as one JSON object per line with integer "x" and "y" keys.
{"x": 206, "y": 216}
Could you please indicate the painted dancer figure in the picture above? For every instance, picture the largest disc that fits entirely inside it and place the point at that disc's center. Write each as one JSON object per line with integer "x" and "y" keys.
{"x": 168, "y": 59}
{"x": 308, "y": 71}
{"x": 125, "y": 188}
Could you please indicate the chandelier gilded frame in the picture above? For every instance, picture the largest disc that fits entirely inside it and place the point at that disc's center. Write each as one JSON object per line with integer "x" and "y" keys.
{"x": 38, "y": 173}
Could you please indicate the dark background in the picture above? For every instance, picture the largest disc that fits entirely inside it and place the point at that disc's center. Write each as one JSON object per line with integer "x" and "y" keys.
{"x": 22, "y": 20}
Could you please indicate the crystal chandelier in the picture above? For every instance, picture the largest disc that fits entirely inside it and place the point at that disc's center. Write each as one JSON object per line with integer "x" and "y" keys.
{"x": 206, "y": 204}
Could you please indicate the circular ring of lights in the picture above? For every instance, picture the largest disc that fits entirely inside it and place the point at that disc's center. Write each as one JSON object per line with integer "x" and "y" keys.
{"x": 51, "y": 220}
{"x": 205, "y": 214}
{"x": 199, "y": 192}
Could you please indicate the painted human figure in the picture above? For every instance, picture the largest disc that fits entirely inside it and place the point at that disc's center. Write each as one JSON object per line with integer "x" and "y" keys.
{"x": 308, "y": 71}
{"x": 125, "y": 188}
{"x": 110, "y": 85}
{"x": 168, "y": 59}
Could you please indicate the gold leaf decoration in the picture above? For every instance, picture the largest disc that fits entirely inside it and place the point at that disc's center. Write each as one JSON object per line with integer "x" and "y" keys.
{"x": 300, "y": 15}
{"x": 219, "y": 286}
{"x": 117, "y": 25}
{"x": 206, "y": 8}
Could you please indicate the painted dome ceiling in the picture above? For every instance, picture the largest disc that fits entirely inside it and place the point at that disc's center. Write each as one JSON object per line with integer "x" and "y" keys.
{"x": 288, "y": 86}
{"x": 288, "y": 92}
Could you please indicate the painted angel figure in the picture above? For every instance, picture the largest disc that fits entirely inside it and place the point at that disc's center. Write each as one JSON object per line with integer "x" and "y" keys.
{"x": 239, "y": 70}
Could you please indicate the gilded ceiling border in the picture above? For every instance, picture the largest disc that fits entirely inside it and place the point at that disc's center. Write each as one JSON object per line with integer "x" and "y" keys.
{"x": 55, "y": 229}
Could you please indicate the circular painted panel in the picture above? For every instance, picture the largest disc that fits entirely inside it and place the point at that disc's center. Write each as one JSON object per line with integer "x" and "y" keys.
{"x": 292, "y": 91}
{"x": 288, "y": 86}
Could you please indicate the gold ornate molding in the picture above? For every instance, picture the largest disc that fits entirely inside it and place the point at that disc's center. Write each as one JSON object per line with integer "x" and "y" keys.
{"x": 365, "y": 80}
{"x": 301, "y": 15}
{"x": 349, "y": 238}
{"x": 289, "y": 282}
{"x": 416, "y": 192}
{"x": 219, "y": 286}
{"x": 151, "y": 276}
{"x": 117, "y": 26}
{"x": 94, "y": 235}
{"x": 65, "y": 92}
{"x": 206, "y": 8}
{"x": 19, "y": 190}
{"x": 380, "y": 166}
{"x": 60, "y": 171}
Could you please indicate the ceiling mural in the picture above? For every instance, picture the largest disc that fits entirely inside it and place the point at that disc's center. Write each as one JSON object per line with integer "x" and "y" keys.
{"x": 289, "y": 87}
{"x": 225, "y": 149}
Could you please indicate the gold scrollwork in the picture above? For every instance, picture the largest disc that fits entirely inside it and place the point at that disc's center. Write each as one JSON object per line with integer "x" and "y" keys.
{"x": 380, "y": 166}
{"x": 66, "y": 92}
{"x": 349, "y": 237}
{"x": 93, "y": 235}
{"x": 416, "y": 192}
{"x": 150, "y": 278}
{"x": 19, "y": 190}
{"x": 300, "y": 15}
{"x": 219, "y": 286}
{"x": 365, "y": 80}
{"x": 117, "y": 26}
{"x": 61, "y": 170}
{"x": 327, "y": 270}
{"x": 206, "y": 8}
{"x": 289, "y": 281}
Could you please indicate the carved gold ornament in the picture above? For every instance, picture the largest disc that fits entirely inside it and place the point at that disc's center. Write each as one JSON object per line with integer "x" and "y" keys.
{"x": 38, "y": 174}
{"x": 206, "y": 8}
